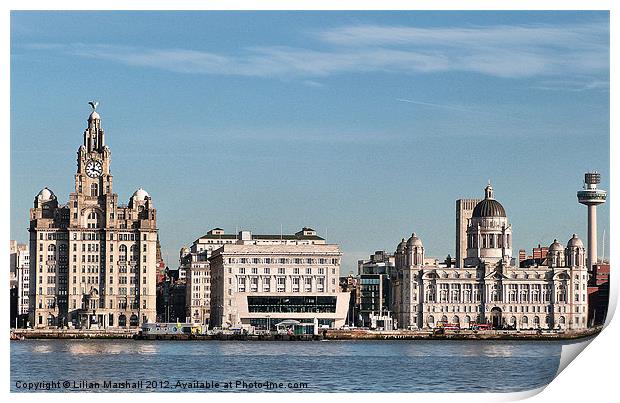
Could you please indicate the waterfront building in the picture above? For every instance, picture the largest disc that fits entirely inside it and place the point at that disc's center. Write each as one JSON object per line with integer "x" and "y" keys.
{"x": 93, "y": 259}
{"x": 262, "y": 280}
{"x": 375, "y": 289}
{"x": 195, "y": 266}
{"x": 195, "y": 271}
{"x": 489, "y": 288}
{"x": 20, "y": 278}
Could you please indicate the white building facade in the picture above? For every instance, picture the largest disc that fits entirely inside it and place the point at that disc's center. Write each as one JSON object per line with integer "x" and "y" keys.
{"x": 20, "y": 274}
{"x": 265, "y": 280}
{"x": 489, "y": 289}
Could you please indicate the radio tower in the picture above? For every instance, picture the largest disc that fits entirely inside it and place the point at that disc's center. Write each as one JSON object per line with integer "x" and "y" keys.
{"x": 591, "y": 197}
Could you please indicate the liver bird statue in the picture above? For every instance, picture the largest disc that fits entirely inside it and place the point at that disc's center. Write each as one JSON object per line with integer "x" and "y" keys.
{"x": 94, "y": 104}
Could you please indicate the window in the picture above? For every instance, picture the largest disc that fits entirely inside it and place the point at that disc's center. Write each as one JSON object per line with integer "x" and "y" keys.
{"x": 92, "y": 220}
{"x": 122, "y": 253}
{"x": 94, "y": 189}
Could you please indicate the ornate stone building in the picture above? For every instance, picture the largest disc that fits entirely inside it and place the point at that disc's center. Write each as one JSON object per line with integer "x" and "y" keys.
{"x": 489, "y": 288}
{"x": 92, "y": 260}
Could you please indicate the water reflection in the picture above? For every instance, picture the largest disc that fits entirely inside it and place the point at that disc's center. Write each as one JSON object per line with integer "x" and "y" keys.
{"x": 42, "y": 348}
{"x": 341, "y": 366}
{"x": 147, "y": 349}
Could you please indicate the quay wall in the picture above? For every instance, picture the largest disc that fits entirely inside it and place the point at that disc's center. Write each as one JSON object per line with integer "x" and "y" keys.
{"x": 325, "y": 335}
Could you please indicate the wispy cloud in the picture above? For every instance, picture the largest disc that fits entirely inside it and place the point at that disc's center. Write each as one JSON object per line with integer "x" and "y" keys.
{"x": 435, "y": 105}
{"x": 501, "y": 51}
{"x": 586, "y": 84}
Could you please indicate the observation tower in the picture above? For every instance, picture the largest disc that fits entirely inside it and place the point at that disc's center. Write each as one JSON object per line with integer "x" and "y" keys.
{"x": 591, "y": 197}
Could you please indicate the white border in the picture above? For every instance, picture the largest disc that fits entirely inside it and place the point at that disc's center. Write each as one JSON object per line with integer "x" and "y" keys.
{"x": 591, "y": 377}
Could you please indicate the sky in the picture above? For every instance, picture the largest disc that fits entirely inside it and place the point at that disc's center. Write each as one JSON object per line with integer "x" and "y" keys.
{"x": 365, "y": 126}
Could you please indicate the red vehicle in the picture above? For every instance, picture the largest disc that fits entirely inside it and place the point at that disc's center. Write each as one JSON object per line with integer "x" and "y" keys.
{"x": 448, "y": 326}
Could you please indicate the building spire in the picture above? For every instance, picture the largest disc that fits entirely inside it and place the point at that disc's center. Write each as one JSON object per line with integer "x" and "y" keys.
{"x": 93, "y": 136}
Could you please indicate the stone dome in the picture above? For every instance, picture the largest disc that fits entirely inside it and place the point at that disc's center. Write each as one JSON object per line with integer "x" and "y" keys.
{"x": 140, "y": 195}
{"x": 575, "y": 242}
{"x": 401, "y": 245}
{"x": 489, "y": 208}
{"x": 414, "y": 240}
{"x": 555, "y": 246}
{"x": 46, "y": 194}
{"x": 94, "y": 115}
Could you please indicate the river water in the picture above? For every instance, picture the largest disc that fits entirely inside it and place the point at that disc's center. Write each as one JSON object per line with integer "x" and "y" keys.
{"x": 330, "y": 366}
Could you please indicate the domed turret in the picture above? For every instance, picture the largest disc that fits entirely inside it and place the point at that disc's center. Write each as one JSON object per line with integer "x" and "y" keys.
{"x": 575, "y": 242}
{"x": 401, "y": 246}
{"x": 414, "y": 241}
{"x": 555, "y": 254}
{"x": 575, "y": 252}
{"x": 415, "y": 251}
{"x": 45, "y": 194}
{"x": 140, "y": 195}
{"x": 489, "y": 235}
{"x": 555, "y": 246}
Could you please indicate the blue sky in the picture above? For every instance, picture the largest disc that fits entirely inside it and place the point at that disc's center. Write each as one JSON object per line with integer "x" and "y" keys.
{"x": 366, "y": 126}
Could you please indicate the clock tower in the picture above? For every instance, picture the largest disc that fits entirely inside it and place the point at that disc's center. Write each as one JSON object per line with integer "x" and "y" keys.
{"x": 95, "y": 259}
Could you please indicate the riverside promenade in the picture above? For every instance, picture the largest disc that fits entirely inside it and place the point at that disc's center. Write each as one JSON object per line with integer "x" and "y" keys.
{"x": 354, "y": 334}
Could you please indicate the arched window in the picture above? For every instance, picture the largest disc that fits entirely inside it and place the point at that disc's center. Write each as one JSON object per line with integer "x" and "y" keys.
{"x": 94, "y": 189}
{"x": 524, "y": 321}
{"x": 122, "y": 253}
{"x": 92, "y": 220}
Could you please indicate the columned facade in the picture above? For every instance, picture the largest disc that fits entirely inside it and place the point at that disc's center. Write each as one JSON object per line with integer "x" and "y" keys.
{"x": 489, "y": 290}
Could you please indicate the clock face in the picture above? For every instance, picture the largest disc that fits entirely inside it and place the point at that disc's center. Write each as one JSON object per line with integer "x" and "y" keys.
{"x": 94, "y": 169}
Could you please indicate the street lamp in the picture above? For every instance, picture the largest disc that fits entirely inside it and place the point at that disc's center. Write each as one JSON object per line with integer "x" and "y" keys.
{"x": 268, "y": 327}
